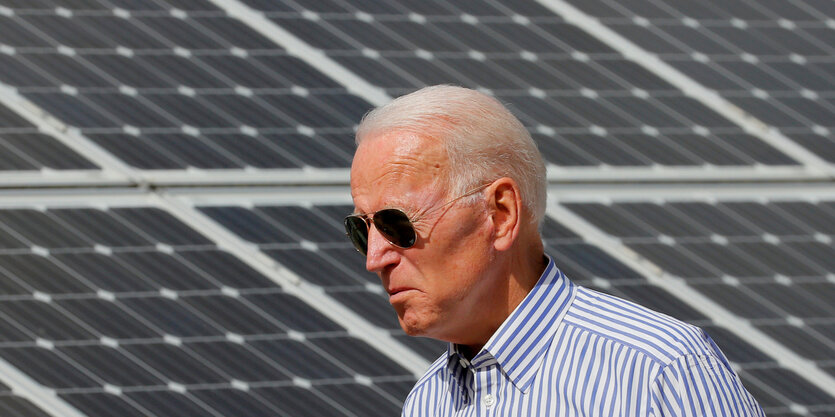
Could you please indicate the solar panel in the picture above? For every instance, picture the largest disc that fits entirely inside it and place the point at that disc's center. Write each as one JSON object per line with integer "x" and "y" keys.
{"x": 199, "y": 79}
{"x": 771, "y": 59}
{"x": 172, "y": 91}
{"x": 128, "y": 308}
{"x": 169, "y": 301}
{"x": 561, "y": 72}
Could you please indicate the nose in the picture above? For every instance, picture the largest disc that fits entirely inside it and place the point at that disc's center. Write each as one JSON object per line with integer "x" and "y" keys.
{"x": 380, "y": 253}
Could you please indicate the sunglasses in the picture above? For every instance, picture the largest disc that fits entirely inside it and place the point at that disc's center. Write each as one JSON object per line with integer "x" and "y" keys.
{"x": 393, "y": 224}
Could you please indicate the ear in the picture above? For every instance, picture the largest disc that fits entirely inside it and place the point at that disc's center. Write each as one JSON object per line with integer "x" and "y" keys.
{"x": 505, "y": 205}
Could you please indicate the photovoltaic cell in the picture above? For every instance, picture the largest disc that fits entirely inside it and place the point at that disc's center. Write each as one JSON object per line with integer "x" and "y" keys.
{"x": 371, "y": 306}
{"x": 167, "y": 403}
{"x": 299, "y": 402}
{"x": 792, "y": 387}
{"x": 362, "y": 399}
{"x": 104, "y": 272}
{"x": 736, "y": 350}
{"x": 108, "y": 318}
{"x": 48, "y": 369}
{"x": 171, "y": 317}
{"x": 23, "y": 148}
{"x": 102, "y": 404}
{"x": 809, "y": 343}
{"x": 594, "y": 261}
{"x": 112, "y": 366}
{"x": 234, "y": 402}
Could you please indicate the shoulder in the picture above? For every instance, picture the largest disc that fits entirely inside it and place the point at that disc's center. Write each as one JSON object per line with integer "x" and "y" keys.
{"x": 662, "y": 338}
{"x": 688, "y": 374}
{"x": 701, "y": 385}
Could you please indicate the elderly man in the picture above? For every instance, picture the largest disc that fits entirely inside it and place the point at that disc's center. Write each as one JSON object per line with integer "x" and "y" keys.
{"x": 449, "y": 190}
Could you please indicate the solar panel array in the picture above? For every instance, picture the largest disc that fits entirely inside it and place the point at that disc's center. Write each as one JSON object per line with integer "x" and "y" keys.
{"x": 772, "y": 59}
{"x": 585, "y": 103}
{"x": 128, "y": 290}
{"x": 129, "y": 309}
{"x": 170, "y": 89}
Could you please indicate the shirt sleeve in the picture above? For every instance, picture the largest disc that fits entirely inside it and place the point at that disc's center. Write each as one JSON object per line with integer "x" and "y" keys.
{"x": 701, "y": 385}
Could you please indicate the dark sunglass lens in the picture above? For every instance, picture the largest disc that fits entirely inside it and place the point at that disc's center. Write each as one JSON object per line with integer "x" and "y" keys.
{"x": 357, "y": 231}
{"x": 396, "y": 227}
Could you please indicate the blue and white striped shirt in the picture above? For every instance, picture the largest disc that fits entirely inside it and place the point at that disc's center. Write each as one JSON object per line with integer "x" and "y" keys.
{"x": 570, "y": 351}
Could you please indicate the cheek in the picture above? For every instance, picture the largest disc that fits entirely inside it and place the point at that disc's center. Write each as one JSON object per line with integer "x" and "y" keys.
{"x": 419, "y": 315}
{"x": 472, "y": 263}
{"x": 448, "y": 272}
{"x": 453, "y": 283}
{"x": 470, "y": 253}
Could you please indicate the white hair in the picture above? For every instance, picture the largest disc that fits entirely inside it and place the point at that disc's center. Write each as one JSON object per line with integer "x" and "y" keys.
{"x": 484, "y": 140}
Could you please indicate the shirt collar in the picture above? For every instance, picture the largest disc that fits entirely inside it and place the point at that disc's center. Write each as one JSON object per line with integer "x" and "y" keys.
{"x": 520, "y": 343}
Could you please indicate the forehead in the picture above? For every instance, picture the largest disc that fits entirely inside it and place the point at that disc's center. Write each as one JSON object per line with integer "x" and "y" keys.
{"x": 391, "y": 168}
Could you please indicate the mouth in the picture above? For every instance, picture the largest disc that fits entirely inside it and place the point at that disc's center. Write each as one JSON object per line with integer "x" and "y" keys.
{"x": 393, "y": 291}
{"x": 396, "y": 293}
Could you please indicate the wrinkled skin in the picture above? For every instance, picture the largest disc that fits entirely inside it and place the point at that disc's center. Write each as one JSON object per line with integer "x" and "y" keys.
{"x": 438, "y": 286}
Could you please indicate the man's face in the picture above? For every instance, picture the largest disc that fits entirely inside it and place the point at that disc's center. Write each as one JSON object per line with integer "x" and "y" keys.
{"x": 438, "y": 286}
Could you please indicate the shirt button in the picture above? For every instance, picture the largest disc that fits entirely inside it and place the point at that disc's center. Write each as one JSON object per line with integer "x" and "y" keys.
{"x": 489, "y": 400}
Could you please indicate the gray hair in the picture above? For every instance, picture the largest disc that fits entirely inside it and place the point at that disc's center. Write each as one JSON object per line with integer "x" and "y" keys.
{"x": 484, "y": 140}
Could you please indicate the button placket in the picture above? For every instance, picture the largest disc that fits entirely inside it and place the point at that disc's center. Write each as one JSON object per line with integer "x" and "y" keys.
{"x": 489, "y": 400}
{"x": 488, "y": 379}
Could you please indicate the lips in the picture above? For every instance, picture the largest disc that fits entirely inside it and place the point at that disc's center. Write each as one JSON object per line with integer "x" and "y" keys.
{"x": 393, "y": 291}
{"x": 395, "y": 294}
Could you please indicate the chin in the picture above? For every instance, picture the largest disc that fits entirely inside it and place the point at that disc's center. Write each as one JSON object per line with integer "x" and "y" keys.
{"x": 423, "y": 329}
{"x": 415, "y": 326}
{"x": 412, "y": 329}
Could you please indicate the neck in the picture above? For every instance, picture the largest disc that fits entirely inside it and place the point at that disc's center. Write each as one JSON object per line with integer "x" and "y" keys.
{"x": 522, "y": 273}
